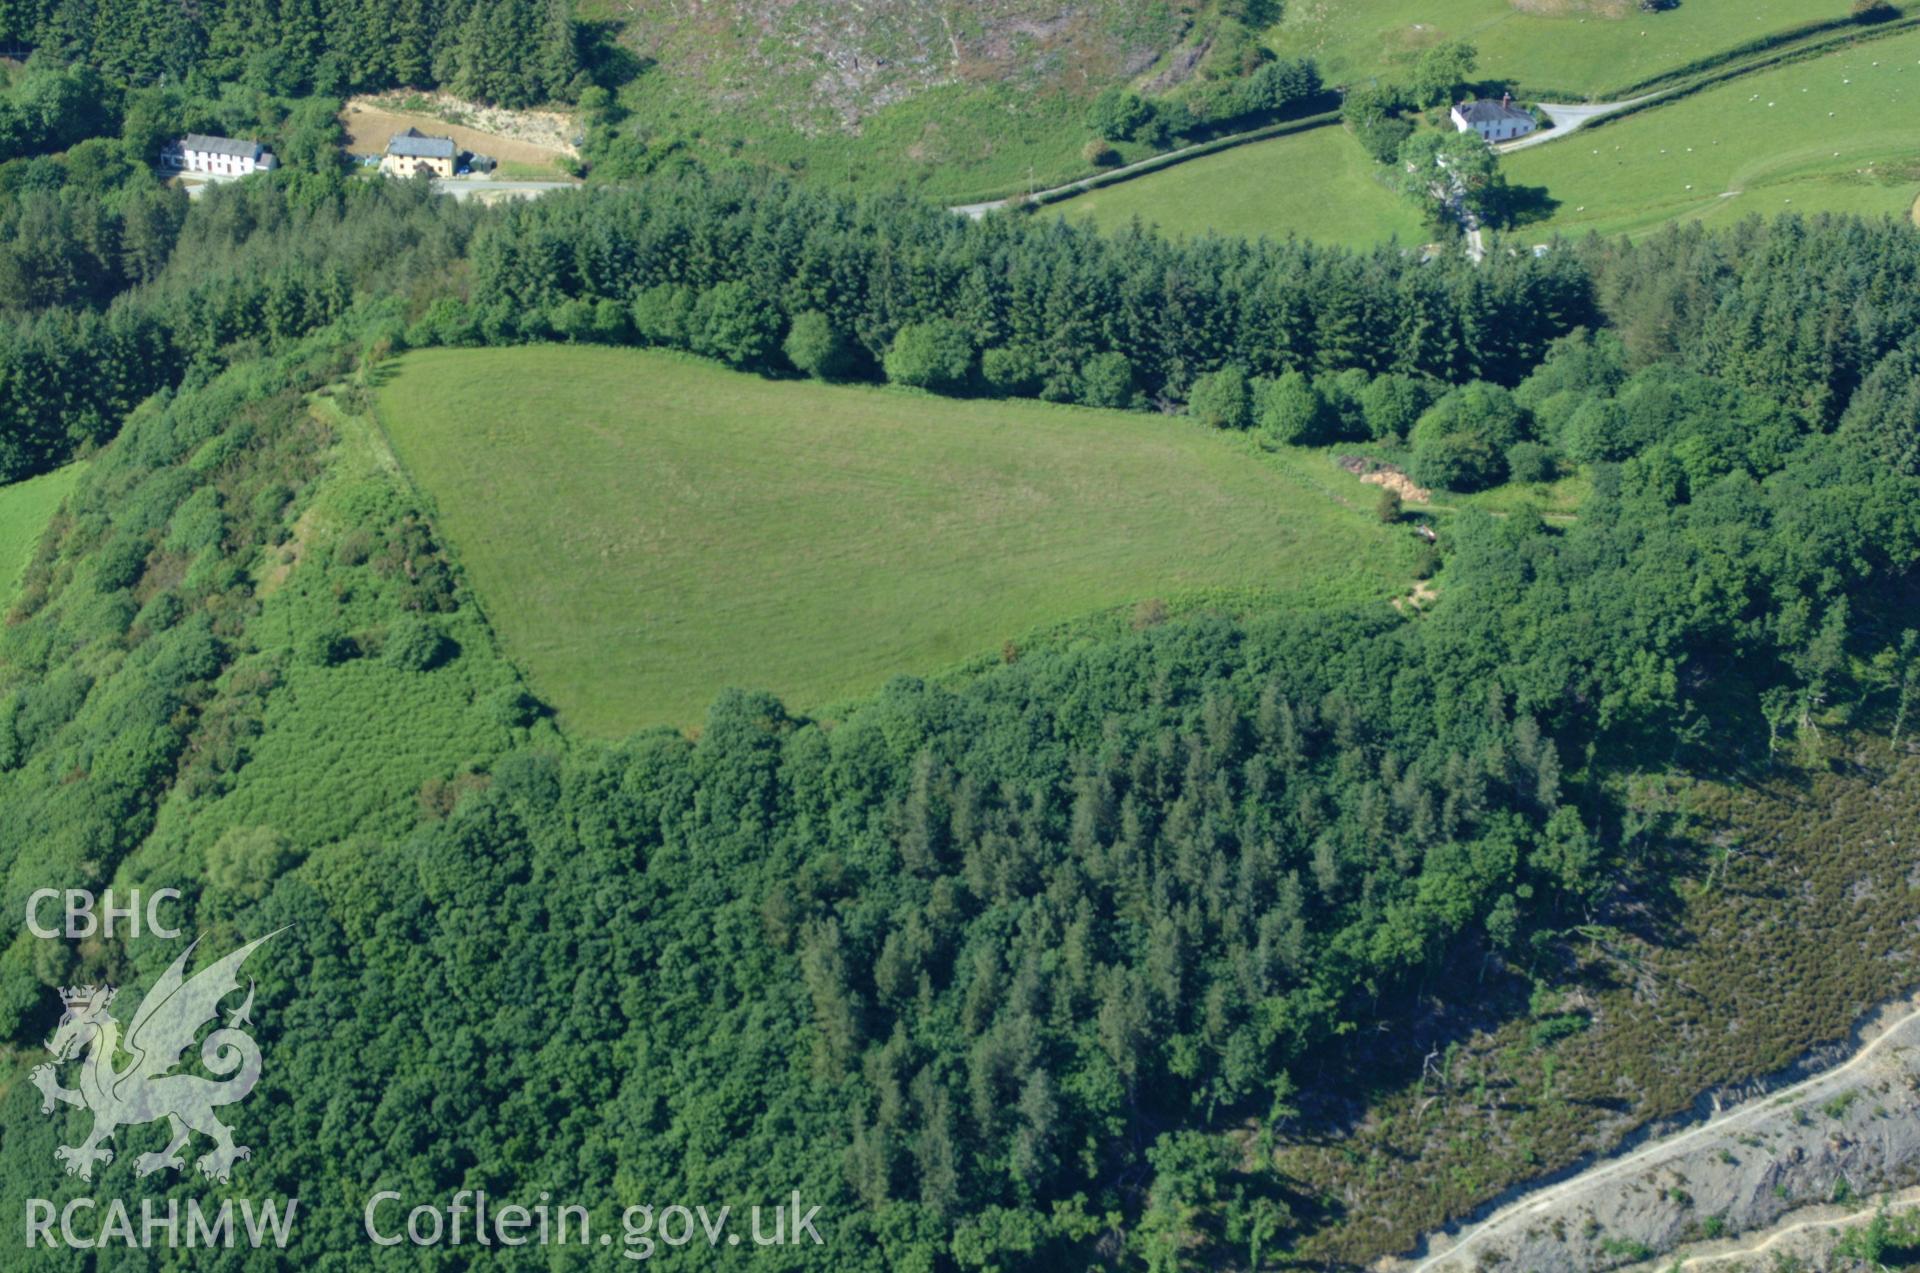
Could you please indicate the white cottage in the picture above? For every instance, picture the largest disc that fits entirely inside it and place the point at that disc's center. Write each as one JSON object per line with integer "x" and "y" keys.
{"x": 221, "y": 156}
{"x": 1494, "y": 121}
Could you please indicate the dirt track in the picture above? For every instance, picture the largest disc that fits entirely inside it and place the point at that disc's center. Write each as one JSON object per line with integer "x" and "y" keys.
{"x": 1802, "y": 1235}
{"x": 1858, "y": 1121}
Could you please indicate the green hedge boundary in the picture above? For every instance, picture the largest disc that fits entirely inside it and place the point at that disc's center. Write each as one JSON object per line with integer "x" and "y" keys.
{"x": 1016, "y": 196}
{"x": 1159, "y": 163}
{"x": 1680, "y": 75}
{"x": 1798, "y": 53}
{"x": 1793, "y": 35}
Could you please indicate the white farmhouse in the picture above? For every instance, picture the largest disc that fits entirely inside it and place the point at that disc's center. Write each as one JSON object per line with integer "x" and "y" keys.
{"x": 221, "y": 156}
{"x": 1494, "y": 121}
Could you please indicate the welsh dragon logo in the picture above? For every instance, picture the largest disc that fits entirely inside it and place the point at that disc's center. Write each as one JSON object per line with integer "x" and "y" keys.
{"x": 145, "y": 1089}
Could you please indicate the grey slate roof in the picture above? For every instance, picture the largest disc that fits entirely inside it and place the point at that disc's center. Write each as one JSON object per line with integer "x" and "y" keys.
{"x": 221, "y": 146}
{"x": 415, "y": 144}
{"x": 1490, "y": 112}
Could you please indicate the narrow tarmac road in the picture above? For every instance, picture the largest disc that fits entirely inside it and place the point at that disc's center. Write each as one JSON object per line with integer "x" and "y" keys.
{"x": 1569, "y": 117}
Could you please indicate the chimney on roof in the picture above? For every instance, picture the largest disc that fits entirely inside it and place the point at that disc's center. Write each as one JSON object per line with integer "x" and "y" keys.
{"x": 1506, "y": 99}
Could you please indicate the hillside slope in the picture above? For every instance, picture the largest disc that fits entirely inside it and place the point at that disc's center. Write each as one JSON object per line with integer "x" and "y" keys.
{"x": 958, "y": 100}
{"x": 835, "y": 64}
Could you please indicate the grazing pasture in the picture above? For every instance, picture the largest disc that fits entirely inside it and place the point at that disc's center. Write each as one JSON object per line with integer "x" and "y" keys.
{"x": 25, "y": 508}
{"x": 1561, "y": 47}
{"x": 1318, "y": 184}
{"x": 646, "y": 529}
{"x": 1833, "y": 133}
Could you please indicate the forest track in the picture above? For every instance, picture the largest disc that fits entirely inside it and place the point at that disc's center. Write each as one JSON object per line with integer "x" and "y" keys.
{"x": 1765, "y": 1240}
{"x": 1894, "y": 1027}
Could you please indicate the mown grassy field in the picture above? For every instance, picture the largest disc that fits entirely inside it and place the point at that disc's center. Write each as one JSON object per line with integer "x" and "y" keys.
{"x": 25, "y": 508}
{"x": 1319, "y": 184}
{"x": 1574, "y": 47}
{"x": 1834, "y": 133}
{"x": 657, "y": 528}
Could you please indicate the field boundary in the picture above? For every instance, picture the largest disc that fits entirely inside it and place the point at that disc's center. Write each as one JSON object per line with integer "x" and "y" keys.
{"x": 1150, "y": 165}
{"x": 61, "y": 481}
{"x": 1726, "y": 74}
{"x": 1779, "y": 42}
{"x": 370, "y": 377}
{"x": 1713, "y": 61}
{"x": 1198, "y": 151}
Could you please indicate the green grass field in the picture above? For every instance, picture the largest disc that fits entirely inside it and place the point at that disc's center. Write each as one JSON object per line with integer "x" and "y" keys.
{"x": 1834, "y": 133}
{"x": 25, "y": 508}
{"x": 1317, "y": 184}
{"x": 1563, "y": 47}
{"x": 645, "y": 530}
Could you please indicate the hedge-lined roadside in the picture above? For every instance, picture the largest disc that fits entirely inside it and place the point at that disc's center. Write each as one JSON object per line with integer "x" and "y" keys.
{"x": 1699, "y": 66}
{"x": 1785, "y": 57}
{"x": 1159, "y": 163}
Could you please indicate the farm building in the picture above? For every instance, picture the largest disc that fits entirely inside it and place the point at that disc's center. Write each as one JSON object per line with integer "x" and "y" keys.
{"x": 1494, "y": 121}
{"x": 220, "y": 156}
{"x": 414, "y": 152}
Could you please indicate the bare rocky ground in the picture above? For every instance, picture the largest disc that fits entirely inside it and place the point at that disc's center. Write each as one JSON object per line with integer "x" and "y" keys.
{"x": 525, "y": 136}
{"x": 1808, "y": 1236}
{"x": 1744, "y": 1177}
{"x": 1388, "y": 476}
